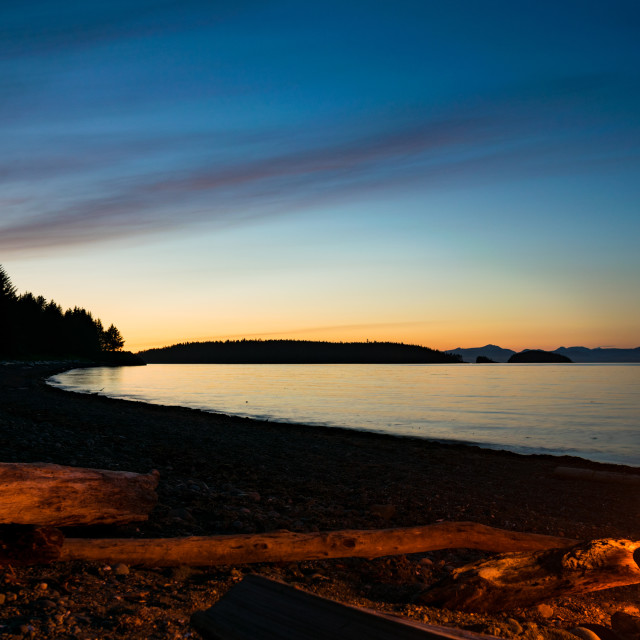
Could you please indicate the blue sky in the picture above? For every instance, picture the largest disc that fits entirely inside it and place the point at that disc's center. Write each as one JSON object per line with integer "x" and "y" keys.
{"x": 449, "y": 174}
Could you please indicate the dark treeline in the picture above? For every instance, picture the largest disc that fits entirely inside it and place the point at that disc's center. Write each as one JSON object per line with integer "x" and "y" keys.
{"x": 294, "y": 352}
{"x": 32, "y": 327}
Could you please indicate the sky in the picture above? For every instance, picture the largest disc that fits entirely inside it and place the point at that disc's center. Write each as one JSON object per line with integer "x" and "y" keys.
{"x": 449, "y": 174}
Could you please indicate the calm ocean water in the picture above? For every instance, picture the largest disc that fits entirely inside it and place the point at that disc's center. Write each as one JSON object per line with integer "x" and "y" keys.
{"x": 588, "y": 410}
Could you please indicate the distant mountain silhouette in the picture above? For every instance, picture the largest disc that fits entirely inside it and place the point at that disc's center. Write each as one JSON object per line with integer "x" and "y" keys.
{"x": 295, "y": 352}
{"x": 582, "y": 354}
{"x": 539, "y": 356}
{"x": 575, "y": 354}
{"x": 491, "y": 351}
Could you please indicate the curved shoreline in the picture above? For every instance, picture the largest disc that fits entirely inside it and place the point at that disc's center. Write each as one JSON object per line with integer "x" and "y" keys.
{"x": 222, "y": 474}
{"x": 466, "y": 431}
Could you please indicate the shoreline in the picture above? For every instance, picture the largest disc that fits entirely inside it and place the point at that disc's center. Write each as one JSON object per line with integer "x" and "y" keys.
{"x": 224, "y": 474}
{"x": 617, "y": 458}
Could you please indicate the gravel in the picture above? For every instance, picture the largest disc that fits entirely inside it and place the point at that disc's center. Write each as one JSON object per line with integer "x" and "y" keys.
{"x": 223, "y": 475}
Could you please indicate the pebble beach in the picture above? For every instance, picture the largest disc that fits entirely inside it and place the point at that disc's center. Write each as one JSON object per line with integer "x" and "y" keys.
{"x": 223, "y": 475}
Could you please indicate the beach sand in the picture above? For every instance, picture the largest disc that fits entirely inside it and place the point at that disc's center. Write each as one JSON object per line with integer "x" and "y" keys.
{"x": 222, "y": 475}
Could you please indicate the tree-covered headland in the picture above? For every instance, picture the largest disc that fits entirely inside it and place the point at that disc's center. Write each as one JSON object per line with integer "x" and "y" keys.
{"x": 295, "y": 352}
{"x": 32, "y": 327}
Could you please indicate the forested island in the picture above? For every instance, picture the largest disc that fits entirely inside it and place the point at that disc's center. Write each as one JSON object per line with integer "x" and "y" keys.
{"x": 538, "y": 356}
{"x": 295, "y": 352}
{"x": 33, "y": 328}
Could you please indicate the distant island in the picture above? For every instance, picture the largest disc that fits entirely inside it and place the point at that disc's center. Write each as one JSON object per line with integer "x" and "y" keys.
{"x": 296, "y": 352}
{"x": 575, "y": 354}
{"x": 538, "y": 356}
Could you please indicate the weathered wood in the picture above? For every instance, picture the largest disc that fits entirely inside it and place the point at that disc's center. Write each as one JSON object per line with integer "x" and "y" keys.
{"x": 26, "y": 544}
{"x": 577, "y": 473}
{"x": 263, "y": 608}
{"x": 294, "y": 547}
{"x": 50, "y": 494}
{"x": 523, "y": 579}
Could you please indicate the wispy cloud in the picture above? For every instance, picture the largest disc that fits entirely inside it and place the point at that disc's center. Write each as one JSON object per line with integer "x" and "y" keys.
{"x": 143, "y": 185}
{"x": 51, "y": 27}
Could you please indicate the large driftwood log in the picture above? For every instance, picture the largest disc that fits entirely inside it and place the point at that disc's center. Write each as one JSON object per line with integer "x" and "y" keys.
{"x": 49, "y": 494}
{"x": 523, "y": 579}
{"x": 576, "y": 473}
{"x": 294, "y": 547}
{"x": 27, "y": 545}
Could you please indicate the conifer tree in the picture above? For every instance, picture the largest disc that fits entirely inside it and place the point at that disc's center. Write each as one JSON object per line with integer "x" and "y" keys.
{"x": 112, "y": 339}
{"x": 7, "y": 290}
{"x": 8, "y": 299}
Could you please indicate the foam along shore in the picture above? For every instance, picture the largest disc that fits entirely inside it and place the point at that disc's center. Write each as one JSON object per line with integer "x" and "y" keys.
{"x": 222, "y": 475}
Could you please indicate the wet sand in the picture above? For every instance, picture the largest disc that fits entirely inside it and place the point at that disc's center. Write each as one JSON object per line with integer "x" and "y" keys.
{"x": 220, "y": 475}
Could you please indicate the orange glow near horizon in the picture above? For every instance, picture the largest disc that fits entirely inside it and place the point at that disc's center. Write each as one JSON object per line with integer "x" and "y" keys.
{"x": 435, "y": 338}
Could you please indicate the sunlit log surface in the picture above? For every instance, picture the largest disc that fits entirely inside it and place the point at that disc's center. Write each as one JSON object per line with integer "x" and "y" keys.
{"x": 524, "y": 579}
{"x": 50, "y": 494}
{"x": 294, "y": 547}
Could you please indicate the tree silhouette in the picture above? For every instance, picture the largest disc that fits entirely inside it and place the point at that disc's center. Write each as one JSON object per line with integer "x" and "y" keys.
{"x": 31, "y": 327}
{"x": 295, "y": 351}
{"x": 7, "y": 321}
{"x": 7, "y": 290}
{"x": 81, "y": 332}
{"x": 112, "y": 339}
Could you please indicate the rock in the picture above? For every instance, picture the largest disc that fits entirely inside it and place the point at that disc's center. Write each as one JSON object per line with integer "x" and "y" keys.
{"x": 121, "y": 569}
{"x": 514, "y": 626}
{"x": 2, "y": 598}
{"x": 385, "y": 511}
{"x": 626, "y": 625}
{"x": 585, "y": 634}
{"x": 181, "y": 514}
{"x": 47, "y": 604}
{"x": 550, "y": 633}
{"x": 604, "y": 633}
{"x": 544, "y": 610}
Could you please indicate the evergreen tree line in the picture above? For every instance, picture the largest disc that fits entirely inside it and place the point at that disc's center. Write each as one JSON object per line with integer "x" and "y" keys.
{"x": 295, "y": 352}
{"x": 32, "y": 327}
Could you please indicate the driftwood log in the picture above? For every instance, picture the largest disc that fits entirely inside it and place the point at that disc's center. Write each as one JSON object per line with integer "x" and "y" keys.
{"x": 577, "y": 473}
{"x": 524, "y": 579}
{"x": 295, "y": 547}
{"x": 50, "y": 494}
{"x": 27, "y": 545}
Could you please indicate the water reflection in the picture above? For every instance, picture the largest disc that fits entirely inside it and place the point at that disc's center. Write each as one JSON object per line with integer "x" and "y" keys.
{"x": 586, "y": 410}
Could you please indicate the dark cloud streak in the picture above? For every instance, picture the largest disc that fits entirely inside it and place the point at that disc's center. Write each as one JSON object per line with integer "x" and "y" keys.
{"x": 49, "y": 27}
{"x": 268, "y": 177}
